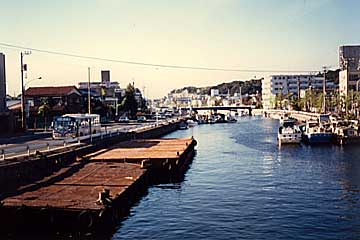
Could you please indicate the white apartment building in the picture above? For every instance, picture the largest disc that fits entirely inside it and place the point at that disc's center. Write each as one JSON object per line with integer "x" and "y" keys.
{"x": 349, "y": 62}
{"x": 275, "y": 84}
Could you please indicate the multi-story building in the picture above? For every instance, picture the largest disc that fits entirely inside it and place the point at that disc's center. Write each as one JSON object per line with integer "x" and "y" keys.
{"x": 349, "y": 62}
{"x": 109, "y": 92}
{"x": 289, "y": 85}
{"x": 349, "y": 57}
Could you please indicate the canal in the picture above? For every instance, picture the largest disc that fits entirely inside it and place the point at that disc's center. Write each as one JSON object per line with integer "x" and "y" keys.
{"x": 242, "y": 186}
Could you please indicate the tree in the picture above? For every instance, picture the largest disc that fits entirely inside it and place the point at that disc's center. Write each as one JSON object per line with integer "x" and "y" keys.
{"x": 43, "y": 111}
{"x": 129, "y": 102}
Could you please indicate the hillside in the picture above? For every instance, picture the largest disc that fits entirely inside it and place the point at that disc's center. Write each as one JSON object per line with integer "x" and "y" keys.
{"x": 247, "y": 87}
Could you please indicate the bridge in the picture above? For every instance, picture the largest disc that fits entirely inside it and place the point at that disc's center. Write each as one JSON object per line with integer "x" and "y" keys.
{"x": 216, "y": 108}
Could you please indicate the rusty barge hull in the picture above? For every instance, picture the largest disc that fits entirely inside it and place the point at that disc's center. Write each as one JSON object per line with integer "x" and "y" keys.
{"x": 92, "y": 195}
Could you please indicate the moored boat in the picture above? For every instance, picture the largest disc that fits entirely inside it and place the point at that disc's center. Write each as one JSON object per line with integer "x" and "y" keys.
{"x": 316, "y": 134}
{"x": 183, "y": 125}
{"x": 289, "y": 132}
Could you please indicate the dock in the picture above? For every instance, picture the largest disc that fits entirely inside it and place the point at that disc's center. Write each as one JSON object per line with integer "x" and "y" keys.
{"x": 155, "y": 154}
{"x": 96, "y": 192}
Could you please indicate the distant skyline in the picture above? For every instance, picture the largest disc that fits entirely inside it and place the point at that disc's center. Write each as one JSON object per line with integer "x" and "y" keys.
{"x": 237, "y": 34}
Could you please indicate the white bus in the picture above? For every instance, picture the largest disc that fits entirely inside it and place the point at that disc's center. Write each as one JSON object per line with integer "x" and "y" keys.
{"x": 76, "y": 125}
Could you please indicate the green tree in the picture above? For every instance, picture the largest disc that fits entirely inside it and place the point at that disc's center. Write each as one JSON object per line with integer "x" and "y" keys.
{"x": 129, "y": 102}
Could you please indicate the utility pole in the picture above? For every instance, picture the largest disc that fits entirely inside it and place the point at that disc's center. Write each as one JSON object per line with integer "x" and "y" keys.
{"x": 23, "y": 118}
{"x": 324, "y": 90}
{"x": 89, "y": 97}
{"x": 89, "y": 105}
{"x": 23, "y": 68}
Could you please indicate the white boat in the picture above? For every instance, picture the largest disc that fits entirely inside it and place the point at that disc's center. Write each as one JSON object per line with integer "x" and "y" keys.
{"x": 289, "y": 132}
{"x": 191, "y": 123}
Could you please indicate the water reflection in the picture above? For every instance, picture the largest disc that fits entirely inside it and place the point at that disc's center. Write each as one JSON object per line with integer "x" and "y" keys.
{"x": 242, "y": 185}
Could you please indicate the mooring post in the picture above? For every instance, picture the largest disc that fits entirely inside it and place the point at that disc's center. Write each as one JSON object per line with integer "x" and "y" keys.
{"x": 2, "y": 154}
{"x": 64, "y": 143}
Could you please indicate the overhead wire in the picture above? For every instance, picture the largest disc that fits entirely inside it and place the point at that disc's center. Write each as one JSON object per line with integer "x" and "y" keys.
{"x": 222, "y": 69}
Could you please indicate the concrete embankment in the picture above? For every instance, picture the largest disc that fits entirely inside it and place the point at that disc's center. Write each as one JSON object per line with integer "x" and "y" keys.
{"x": 92, "y": 194}
{"x": 299, "y": 115}
{"x": 20, "y": 171}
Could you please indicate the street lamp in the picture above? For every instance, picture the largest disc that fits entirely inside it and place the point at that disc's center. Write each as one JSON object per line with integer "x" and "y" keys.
{"x": 23, "y": 68}
{"x": 26, "y": 84}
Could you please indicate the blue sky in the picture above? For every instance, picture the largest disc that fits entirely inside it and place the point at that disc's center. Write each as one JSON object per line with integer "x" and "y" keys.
{"x": 242, "y": 34}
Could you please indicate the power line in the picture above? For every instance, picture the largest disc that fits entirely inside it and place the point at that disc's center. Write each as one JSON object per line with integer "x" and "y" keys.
{"x": 154, "y": 64}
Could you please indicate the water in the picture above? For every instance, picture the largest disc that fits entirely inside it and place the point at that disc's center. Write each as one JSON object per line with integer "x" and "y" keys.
{"x": 242, "y": 186}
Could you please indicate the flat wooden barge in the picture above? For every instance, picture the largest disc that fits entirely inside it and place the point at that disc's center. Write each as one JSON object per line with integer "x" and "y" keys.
{"x": 94, "y": 193}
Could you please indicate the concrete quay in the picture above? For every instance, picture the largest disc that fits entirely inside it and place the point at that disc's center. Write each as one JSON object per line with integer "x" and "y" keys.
{"x": 298, "y": 115}
{"x": 20, "y": 171}
{"x": 94, "y": 193}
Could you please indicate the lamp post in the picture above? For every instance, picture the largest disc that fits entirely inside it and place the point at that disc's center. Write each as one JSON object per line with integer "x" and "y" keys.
{"x": 23, "y": 68}
{"x": 26, "y": 84}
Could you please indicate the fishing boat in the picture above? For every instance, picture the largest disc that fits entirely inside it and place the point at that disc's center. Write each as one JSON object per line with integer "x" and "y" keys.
{"x": 346, "y": 131}
{"x": 289, "y": 132}
{"x": 315, "y": 133}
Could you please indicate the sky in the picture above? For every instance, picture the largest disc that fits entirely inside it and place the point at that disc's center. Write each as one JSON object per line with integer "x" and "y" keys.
{"x": 276, "y": 35}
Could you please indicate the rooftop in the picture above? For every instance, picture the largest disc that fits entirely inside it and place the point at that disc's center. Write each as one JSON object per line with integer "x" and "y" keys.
{"x": 51, "y": 91}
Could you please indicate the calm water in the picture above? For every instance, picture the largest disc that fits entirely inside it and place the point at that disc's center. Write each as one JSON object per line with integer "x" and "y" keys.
{"x": 242, "y": 186}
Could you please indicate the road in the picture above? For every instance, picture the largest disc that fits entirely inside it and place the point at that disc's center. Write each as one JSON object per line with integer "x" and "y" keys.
{"x": 21, "y": 147}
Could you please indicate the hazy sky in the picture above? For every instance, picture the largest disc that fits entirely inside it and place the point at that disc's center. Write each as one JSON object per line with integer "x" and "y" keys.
{"x": 248, "y": 34}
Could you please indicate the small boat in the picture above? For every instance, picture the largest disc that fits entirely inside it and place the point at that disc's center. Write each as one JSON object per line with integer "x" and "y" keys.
{"x": 317, "y": 134}
{"x": 230, "y": 119}
{"x": 191, "y": 123}
{"x": 289, "y": 132}
{"x": 183, "y": 125}
{"x": 346, "y": 132}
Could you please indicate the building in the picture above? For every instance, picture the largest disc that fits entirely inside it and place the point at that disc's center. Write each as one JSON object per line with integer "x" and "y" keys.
{"x": 349, "y": 63}
{"x": 2, "y": 84}
{"x": 214, "y": 92}
{"x": 105, "y": 90}
{"x": 61, "y": 100}
{"x": 290, "y": 86}
{"x": 349, "y": 57}
{"x": 7, "y": 119}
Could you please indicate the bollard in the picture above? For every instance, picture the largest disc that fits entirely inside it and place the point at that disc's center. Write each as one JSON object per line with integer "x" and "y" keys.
{"x": 2, "y": 154}
{"x": 117, "y": 131}
{"x": 28, "y": 150}
{"x": 48, "y": 146}
{"x": 78, "y": 140}
{"x": 64, "y": 143}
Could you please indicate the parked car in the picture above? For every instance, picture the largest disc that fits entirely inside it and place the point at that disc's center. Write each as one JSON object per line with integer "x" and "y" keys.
{"x": 123, "y": 119}
{"x": 141, "y": 119}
